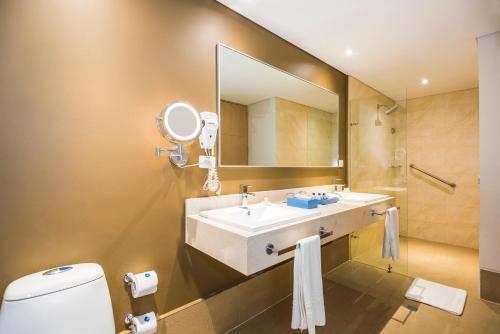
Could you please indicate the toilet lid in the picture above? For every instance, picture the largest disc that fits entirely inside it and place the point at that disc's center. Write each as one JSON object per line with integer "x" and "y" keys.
{"x": 52, "y": 280}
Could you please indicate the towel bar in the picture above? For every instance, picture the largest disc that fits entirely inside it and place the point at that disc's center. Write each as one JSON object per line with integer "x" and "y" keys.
{"x": 373, "y": 213}
{"x": 271, "y": 250}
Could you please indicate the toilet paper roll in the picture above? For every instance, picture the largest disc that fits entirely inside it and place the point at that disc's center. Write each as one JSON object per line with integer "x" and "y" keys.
{"x": 144, "y": 284}
{"x": 144, "y": 324}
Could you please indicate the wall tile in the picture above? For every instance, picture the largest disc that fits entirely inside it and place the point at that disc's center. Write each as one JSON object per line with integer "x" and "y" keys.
{"x": 443, "y": 133}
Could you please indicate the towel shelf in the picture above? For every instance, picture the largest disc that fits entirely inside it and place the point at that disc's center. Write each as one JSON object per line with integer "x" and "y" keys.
{"x": 270, "y": 249}
{"x": 375, "y": 213}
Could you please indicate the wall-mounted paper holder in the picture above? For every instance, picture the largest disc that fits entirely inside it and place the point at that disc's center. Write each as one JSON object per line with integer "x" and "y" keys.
{"x": 142, "y": 284}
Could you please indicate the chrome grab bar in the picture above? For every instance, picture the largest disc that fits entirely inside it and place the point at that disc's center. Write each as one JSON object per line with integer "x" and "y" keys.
{"x": 270, "y": 249}
{"x": 451, "y": 184}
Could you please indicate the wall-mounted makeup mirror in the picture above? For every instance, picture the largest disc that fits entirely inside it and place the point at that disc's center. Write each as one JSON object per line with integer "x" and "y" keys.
{"x": 180, "y": 123}
{"x": 271, "y": 118}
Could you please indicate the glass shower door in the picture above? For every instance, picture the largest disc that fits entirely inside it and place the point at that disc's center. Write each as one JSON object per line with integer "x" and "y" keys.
{"x": 377, "y": 164}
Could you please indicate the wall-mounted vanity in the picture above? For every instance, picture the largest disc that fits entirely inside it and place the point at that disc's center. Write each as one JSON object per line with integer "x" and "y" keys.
{"x": 221, "y": 227}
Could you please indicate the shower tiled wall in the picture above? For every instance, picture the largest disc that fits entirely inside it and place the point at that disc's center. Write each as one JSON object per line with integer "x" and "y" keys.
{"x": 443, "y": 138}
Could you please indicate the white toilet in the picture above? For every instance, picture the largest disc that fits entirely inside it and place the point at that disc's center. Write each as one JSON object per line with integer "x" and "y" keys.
{"x": 72, "y": 299}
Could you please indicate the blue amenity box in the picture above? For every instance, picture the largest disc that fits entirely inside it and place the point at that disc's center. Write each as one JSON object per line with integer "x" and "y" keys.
{"x": 302, "y": 203}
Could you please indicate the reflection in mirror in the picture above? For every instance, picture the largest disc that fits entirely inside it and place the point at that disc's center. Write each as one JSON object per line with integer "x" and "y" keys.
{"x": 271, "y": 118}
{"x": 182, "y": 121}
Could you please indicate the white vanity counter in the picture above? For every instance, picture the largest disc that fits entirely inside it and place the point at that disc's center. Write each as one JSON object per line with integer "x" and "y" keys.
{"x": 245, "y": 250}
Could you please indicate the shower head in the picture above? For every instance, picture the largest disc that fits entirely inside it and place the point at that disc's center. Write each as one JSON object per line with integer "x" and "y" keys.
{"x": 388, "y": 111}
{"x": 391, "y": 109}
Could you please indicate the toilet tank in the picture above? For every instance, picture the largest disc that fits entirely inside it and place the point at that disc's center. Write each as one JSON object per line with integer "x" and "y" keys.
{"x": 71, "y": 299}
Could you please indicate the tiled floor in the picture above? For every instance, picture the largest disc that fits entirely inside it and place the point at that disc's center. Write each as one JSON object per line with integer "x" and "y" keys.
{"x": 451, "y": 265}
{"x": 363, "y": 299}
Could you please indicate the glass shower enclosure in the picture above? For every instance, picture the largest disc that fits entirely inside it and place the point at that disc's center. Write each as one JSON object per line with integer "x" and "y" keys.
{"x": 377, "y": 164}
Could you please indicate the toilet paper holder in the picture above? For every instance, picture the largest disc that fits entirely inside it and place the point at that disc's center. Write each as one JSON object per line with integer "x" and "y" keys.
{"x": 142, "y": 284}
{"x": 128, "y": 278}
{"x": 128, "y": 318}
{"x": 136, "y": 327}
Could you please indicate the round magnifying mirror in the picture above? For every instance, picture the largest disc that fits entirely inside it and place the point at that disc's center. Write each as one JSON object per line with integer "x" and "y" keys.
{"x": 180, "y": 122}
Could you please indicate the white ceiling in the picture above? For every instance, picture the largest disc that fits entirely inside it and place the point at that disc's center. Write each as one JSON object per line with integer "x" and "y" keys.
{"x": 395, "y": 43}
{"x": 245, "y": 80}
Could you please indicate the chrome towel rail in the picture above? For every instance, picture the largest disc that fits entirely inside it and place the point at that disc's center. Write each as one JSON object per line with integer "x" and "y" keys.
{"x": 270, "y": 249}
{"x": 451, "y": 184}
{"x": 375, "y": 213}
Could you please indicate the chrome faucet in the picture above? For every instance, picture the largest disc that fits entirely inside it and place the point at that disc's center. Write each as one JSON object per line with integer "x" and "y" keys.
{"x": 244, "y": 197}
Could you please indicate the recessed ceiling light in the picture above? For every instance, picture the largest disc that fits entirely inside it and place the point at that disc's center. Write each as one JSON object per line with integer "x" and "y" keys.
{"x": 348, "y": 52}
{"x": 424, "y": 81}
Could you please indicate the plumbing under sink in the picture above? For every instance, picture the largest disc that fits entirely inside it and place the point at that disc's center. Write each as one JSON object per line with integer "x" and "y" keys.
{"x": 258, "y": 217}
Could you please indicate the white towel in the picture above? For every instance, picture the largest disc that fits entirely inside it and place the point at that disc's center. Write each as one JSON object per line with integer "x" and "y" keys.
{"x": 308, "y": 305}
{"x": 391, "y": 235}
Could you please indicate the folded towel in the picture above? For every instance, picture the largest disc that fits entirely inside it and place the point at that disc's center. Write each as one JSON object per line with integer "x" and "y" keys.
{"x": 391, "y": 235}
{"x": 308, "y": 304}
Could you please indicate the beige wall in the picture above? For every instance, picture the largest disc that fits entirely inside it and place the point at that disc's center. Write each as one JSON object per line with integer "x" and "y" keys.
{"x": 234, "y": 133}
{"x": 262, "y": 133}
{"x": 304, "y": 135}
{"x": 443, "y": 138}
{"x": 286, "y": 133}
{"x": 321, "y": 137}
{"x": 291, "y": 133}
{"x": 81, "y": 84}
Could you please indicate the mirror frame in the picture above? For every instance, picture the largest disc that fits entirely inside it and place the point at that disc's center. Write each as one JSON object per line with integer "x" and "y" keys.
{"x": 219, "y": 144}
{"x": 177, "y": 155}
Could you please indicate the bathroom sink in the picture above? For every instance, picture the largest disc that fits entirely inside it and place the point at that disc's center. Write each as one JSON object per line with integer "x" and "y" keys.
{"x": 262, "y": 216}
{"x": 392, "y": 189}
{"x": 362, "y": 198}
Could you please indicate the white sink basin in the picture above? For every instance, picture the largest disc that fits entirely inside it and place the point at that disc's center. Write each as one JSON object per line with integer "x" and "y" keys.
{"x": 262, "y": 216}
{"x": 392, "y": 189}
{"x": 363, "y": 198}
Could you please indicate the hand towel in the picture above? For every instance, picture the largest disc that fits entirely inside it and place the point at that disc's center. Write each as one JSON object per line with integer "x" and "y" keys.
{"x": 391, "y": 235}
{"x": 308, "y": 304}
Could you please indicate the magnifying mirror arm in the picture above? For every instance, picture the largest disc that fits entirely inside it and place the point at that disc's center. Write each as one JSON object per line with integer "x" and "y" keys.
{"x": 177, "y": 155}
{"x": 166, "y": 151}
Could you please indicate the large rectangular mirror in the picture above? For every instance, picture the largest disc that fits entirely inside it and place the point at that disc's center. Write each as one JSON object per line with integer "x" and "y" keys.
{"x": 271, "y": 118}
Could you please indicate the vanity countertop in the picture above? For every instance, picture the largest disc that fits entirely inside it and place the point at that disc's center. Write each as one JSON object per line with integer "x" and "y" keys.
{"x": 245, "y": 251}
{"x": 325, "y": 212}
